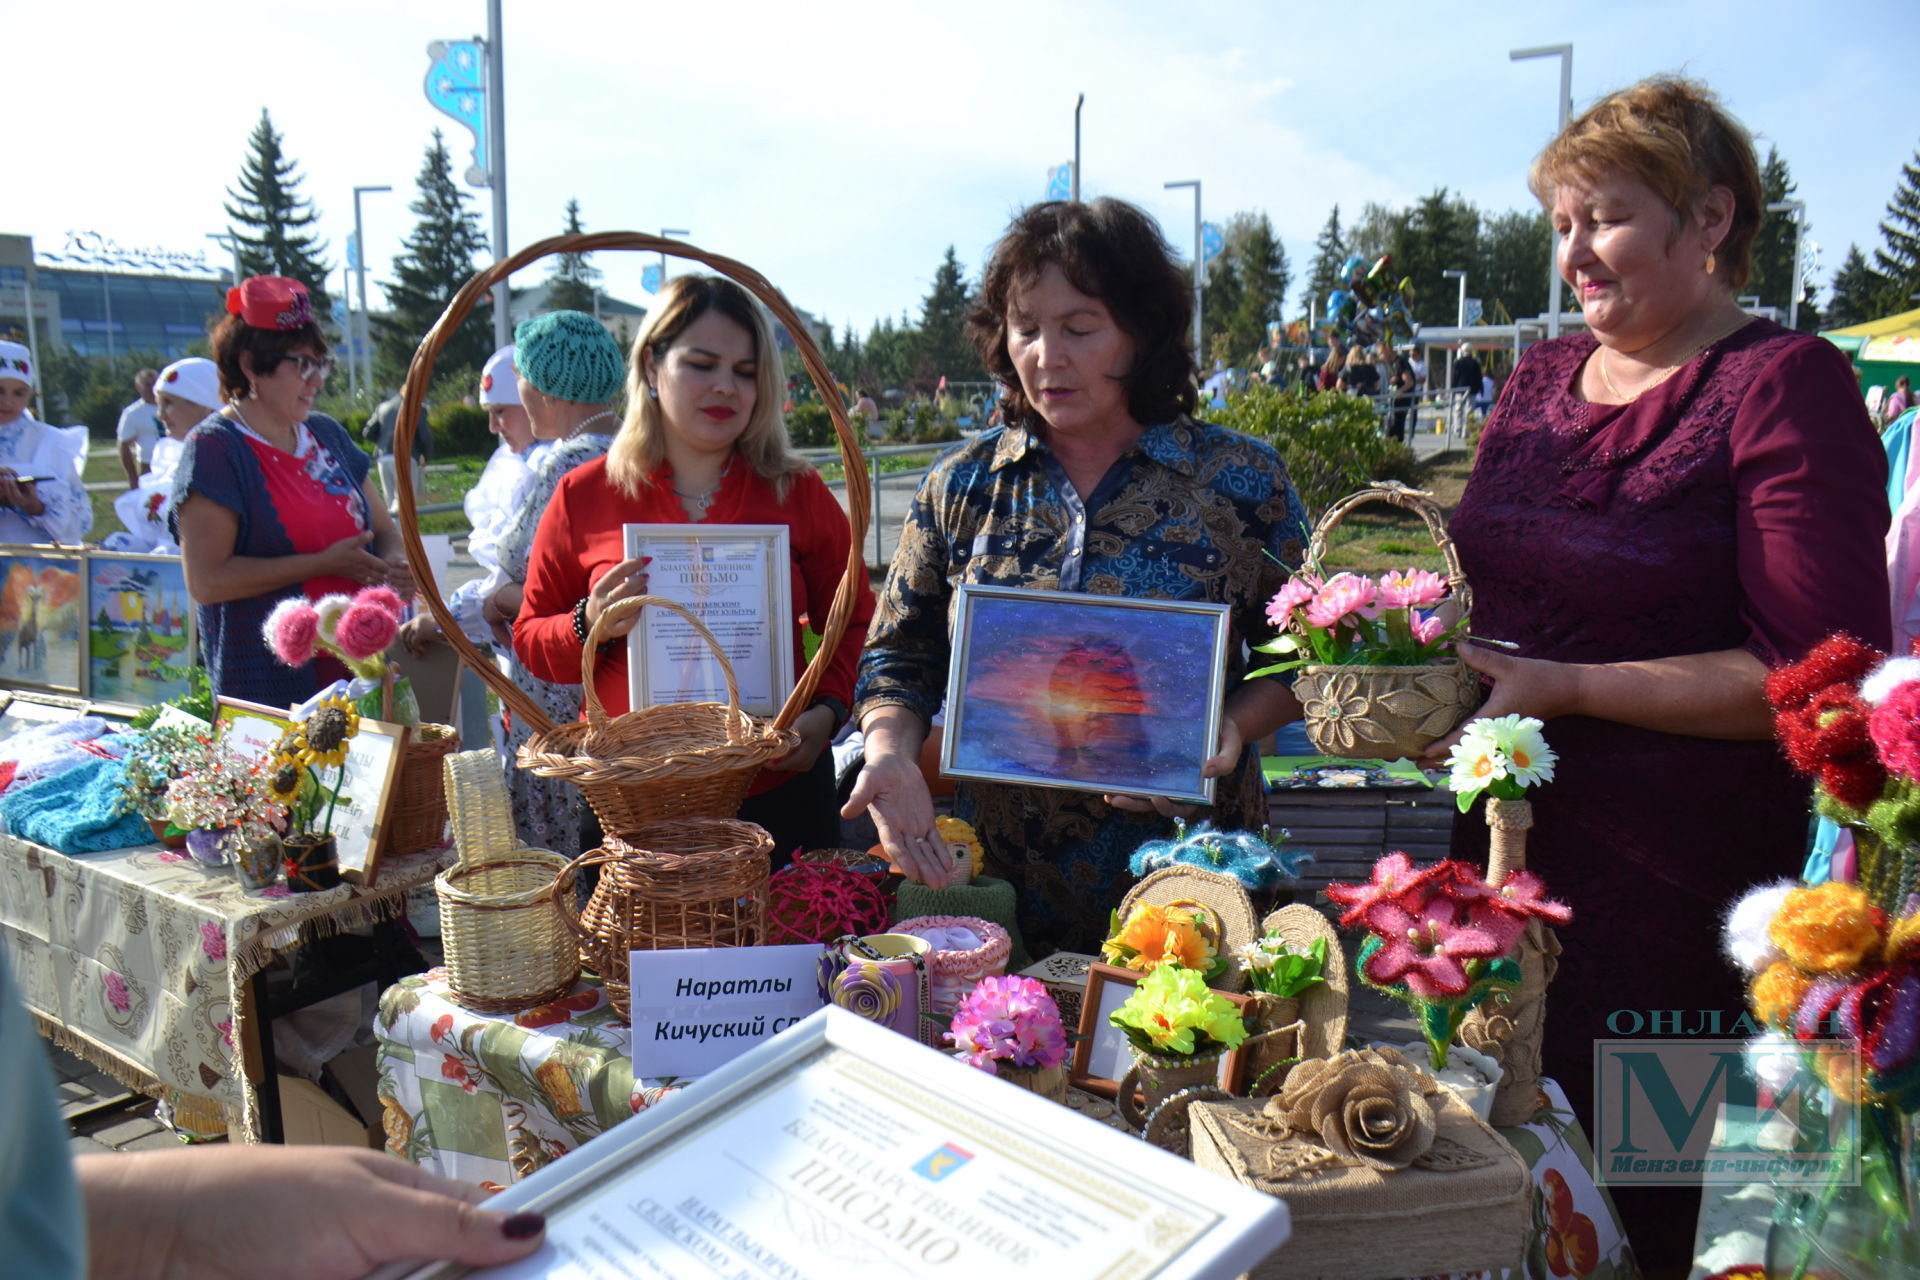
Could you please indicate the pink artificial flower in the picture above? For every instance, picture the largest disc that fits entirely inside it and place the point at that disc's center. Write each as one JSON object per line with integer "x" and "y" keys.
{"x": 365, "y": 631}
{"x": 1895, "y": 729}
{"x": 1343, "y": 594}
{"x": 1393, "y": 875}
{"x": 1428, "y": 948}
{"x": 290, "y": 631}
{"x": 1427, "y": 628}
{"x": 117, "y": 994}
{"x": 213, "y": 941}
{"x": 1412, "y": 589}
{"x": 383, "y": 598}
{"x": 1525, "y": 893}
{"x": 1300, "y": 588}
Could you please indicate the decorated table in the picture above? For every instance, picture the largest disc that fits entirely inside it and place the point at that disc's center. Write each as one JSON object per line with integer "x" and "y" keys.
{"x": 149, "y": 965}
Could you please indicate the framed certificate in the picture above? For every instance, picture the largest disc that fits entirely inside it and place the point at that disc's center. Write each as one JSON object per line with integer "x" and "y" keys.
{"x": 1086, "y": 692}
{"x": 734, "y": 578}
{"x": 839, "y": 1148}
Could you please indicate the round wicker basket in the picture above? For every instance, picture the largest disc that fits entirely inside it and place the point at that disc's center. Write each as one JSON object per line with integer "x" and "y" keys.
{"x": 1388, "y": 713}
{"x": 691, "y": 882}
{"x": 506, "y": 947}
{"x": 859, "y": 493}
{"x": 419, "y": 818}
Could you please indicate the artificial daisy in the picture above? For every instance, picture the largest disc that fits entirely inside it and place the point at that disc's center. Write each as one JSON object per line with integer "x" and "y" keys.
{"x": 1529, "y": 759}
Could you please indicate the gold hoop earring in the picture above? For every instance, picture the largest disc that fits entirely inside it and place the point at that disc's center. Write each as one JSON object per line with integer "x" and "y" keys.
{"x": 1710, "y": 262}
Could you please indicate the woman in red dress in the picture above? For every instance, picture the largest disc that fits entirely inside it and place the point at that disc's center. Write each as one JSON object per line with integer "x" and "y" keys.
{"x": 703, "y": 442}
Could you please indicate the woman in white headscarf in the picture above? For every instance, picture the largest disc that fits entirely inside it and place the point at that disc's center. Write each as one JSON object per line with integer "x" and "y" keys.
{"x": 41, "y": 497}
{"x": 186, "y": 393}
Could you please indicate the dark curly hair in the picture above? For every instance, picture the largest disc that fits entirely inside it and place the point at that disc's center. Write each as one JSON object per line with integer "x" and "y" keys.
{"x": 1112, "y": 251}
{"x": 268, "y": 347}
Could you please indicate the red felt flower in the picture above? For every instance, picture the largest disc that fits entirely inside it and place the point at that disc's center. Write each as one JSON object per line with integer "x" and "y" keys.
{"x": 1839, "y": 659}
{"x": 1573, "y": 1245}
{"x": 1428, "y": 947}
{"x": 1855, "y": 782}
{"x": 1394, "y": 877}
{"x": 1525, "y": 892}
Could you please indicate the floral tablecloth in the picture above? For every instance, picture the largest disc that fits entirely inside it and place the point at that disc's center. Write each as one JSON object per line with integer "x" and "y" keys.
{"x": 490, "y": 1099}
{"x": 138, "y": 959}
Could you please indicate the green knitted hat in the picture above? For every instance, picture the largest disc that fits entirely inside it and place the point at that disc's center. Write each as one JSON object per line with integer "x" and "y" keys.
{"x": 569, "y": 355}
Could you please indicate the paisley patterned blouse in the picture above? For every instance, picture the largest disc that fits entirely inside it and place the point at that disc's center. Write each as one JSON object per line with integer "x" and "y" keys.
{"x": 1191, "y": 512}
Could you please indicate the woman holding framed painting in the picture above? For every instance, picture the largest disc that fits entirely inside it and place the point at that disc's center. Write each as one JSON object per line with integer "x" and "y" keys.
{"x": 703, "y": 442}
{"x": 1102, "y": 483}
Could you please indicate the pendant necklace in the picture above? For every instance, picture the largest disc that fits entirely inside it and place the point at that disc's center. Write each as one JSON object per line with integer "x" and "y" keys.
{"x": 697, "y": 503}
{"x": 235, "y": 406}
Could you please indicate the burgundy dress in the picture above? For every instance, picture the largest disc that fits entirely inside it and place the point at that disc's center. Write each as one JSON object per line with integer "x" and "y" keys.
{"x": 1739, "y": 505}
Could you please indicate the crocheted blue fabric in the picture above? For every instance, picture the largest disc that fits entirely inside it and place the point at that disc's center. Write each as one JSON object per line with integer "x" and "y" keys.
{"x": 73, "y": 811}
{"x": 570, "y": 356}
{"x": 1248, "y": 858}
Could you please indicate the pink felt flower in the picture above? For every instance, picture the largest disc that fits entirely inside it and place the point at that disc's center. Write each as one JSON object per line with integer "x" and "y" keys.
{"x": 1343, "y": 594}
{"x": 1428, "y": 948}
{"x": 290, "y": 631}
{"x": 365, "y": 631}
{"x": 1393, "y": 876}
{"x": 1895, "y": 728}
{"x": 1411, "y": 589}
{"x": 383, "y": 598}
{"x": 213, "y": 941}
{"x": 1427, "y": 628}
{"x": 1300, "y": 588}
{"x": 1525, "y": 892}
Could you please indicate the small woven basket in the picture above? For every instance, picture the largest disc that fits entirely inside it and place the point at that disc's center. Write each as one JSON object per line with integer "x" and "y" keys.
{"x": 681, "y": 760}
{"x": 954, "y": 973}
{"x": 480, "y": 810}
{"x": 506, "y": 947}
{"x": 692, "y": 882}
{"x": 1388, "y": 713}
{"x": 419, "y": 818}
{"x": 668, "y": 794}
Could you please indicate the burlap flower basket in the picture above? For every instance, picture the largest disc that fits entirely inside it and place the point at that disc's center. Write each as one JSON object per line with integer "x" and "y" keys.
{"x": 657, "y": 777}
{"x": 1388, "y": 713}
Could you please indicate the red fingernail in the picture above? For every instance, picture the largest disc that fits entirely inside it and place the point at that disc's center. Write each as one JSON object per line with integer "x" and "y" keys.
{"x": 524, "y": 1226}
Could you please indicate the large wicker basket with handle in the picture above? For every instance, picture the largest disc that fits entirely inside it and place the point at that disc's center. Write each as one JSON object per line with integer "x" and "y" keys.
{"x": 612, "y": 746}
{"x": 681, "y": 760}
{"x": 1388, "y": 712}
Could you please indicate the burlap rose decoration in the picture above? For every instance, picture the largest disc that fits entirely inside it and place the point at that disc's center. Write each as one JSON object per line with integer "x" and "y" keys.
{"x": 1367, "y": 1106}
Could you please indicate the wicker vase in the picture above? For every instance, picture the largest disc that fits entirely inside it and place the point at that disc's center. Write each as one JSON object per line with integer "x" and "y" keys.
{"x": 1388, "y": 712}
{"x": 1509, "y": 1029}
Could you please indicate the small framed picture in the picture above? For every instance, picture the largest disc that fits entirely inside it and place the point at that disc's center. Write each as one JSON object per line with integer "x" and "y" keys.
{"x": 736, "y": 579}
{"x": 1103, "y": 1053}
{"x": 42, "y": 606}
{"x": 140, "y": 630}
{"x": 249, "y": 728}
{"x": 1090, "y": 693}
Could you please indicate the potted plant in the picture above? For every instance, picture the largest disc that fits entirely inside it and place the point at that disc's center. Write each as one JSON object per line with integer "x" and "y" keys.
{"x": 313, "y": 749}
{"x": 223, "y": 802}
{"x": 1440, "y": 939}
{"x": 1277, "y": 972}
{"x": 1179, "y": 1030}
{"x": 1010, "y": 1027}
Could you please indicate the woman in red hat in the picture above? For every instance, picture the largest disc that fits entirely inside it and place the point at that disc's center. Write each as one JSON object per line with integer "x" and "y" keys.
{"x": 272, "y": 500}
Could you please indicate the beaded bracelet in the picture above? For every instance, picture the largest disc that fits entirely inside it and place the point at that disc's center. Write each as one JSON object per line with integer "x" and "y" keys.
{"x": 580, "y": 620}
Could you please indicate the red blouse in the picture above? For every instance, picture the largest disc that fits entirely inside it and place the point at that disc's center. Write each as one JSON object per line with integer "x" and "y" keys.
{"x": 581, "y": 537}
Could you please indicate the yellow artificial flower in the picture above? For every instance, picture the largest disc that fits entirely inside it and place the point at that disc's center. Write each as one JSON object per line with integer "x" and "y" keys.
{"x": 327, "y": 730}
{"x": 285, "y": 773}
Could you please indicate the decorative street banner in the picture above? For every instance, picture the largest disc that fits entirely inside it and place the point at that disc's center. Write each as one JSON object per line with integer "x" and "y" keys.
{"x": 456, "y": 86}
{"x": 650, "y": 277}
{"x": 1060, "y": 182}
{"x": 1211, "y": 241}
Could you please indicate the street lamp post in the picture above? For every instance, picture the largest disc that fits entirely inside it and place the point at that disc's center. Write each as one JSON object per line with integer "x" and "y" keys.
{"x": 667, "y": 233}
{"x": 1076, "y": 147}
{"x": 363, "y": 330}
{"x": 1564, "y": 52}
{"x": 1460, "y": 312}
{"x": 1199, "y": 265}
{"x": 1798, "y": 208}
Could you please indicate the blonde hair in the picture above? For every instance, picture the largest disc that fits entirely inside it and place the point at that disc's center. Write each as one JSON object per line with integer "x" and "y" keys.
{"x": 1672, "y": 134}
{"x": 640, "y": 446}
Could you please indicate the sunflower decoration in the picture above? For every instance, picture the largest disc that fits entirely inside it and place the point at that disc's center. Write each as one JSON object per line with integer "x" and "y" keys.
{"x": 327, "y": 731}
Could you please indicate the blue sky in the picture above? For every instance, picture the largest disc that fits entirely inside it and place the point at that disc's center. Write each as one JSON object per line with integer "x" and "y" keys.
{"x": 841, "y": 146}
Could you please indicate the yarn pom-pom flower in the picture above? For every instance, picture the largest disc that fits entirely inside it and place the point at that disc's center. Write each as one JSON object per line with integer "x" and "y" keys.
{"x": 1895, "y": 729}
{"x": 290, "y": 631}
{"x": 1839, "y": 659}
{"x": 383, "y": 598}
{"x": 1829, "y": 928}
{"x": 1744, "y": 935}
{"x": 365, "y": 630}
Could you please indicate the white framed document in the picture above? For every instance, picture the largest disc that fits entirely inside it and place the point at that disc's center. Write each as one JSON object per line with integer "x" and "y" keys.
{"x": 842, "y": 1149}
{"x": 736, "y": 579}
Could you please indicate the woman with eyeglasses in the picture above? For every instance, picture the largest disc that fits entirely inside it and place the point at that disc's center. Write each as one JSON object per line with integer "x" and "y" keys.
{"x": 273, "y": 500}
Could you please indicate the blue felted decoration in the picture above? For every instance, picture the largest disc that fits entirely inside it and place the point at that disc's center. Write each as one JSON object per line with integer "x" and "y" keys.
{"x": 73, "y": 811}
{"x": 1251, "y": 859}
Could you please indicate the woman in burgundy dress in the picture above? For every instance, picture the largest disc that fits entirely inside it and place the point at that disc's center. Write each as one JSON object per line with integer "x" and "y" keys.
{"x": 1662, "y": 509}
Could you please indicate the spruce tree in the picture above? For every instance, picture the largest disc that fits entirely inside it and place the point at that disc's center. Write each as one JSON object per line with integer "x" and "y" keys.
{"x": 571, "y": 287}
{"x": 943, "y": 347}
{"x": 1323, "y": 277}
{"x": 1897, "y": 261}
{"x": 1856, "y": 290}
{"x": 1772, "y": 278}
{"x": 436, "y": 259}
{"x": 270, "y": 219}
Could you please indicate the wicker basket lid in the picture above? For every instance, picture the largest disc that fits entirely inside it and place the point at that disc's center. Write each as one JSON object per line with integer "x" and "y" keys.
{"x": 1323, "y": 1006}
{"x": 1222, "y": 898}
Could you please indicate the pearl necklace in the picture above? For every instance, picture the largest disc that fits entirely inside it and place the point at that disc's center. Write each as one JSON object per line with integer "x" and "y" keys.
{"x": 584, "y": 423}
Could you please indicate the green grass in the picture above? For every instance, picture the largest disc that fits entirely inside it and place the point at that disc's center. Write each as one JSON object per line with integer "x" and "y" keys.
{"x": 891, "y": 463}
{"x": 1377, "y": 537}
